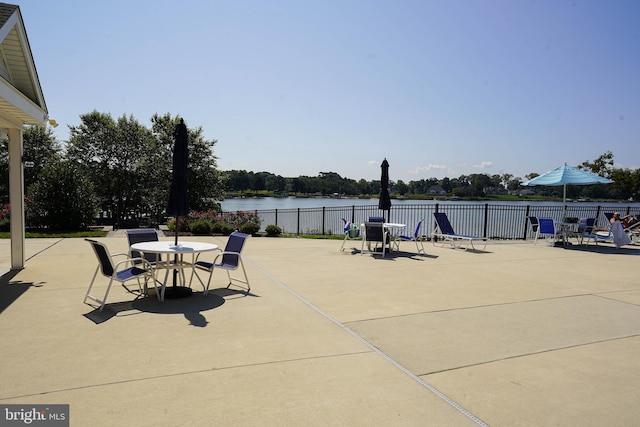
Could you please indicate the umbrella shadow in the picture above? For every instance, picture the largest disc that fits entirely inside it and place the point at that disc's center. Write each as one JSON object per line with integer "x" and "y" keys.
{"x": 602, "y": 249}
{"x": 190, "y": 307}
{"x": 390, "y": 256}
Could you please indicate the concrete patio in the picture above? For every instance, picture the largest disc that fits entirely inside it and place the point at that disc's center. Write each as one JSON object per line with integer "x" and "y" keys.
{"x": 517, "y": 335}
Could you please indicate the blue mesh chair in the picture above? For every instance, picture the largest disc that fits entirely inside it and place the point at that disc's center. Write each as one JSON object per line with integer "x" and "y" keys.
{"x": 416, "y": 238}
{"x": 444, "y": 231}
{"x": 139, "y": 268}
{"x": 548, "y": 230}
{"x": 230, "y": 259}
{"x": 586, "y": 228}
{"x": 143, "y": 235}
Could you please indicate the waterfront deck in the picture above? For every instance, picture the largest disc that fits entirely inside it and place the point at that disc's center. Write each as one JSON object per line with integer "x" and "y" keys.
{"x": 517, "y": 335}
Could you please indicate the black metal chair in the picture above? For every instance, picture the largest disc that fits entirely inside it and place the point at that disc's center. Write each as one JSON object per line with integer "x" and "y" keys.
{"x": 138, "y": 268}
{"x": 230, "y": 259}
{"x": 374, "y": 232}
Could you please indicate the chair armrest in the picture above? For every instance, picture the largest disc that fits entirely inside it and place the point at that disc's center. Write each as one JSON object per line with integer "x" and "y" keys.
{"x": 146, "y": 264}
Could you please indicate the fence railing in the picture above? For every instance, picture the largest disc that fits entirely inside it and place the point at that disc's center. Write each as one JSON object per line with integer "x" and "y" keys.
{"x": 493, "y": 221}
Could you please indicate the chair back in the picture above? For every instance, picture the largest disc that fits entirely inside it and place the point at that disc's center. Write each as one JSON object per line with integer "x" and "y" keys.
{"x": 376, "y": 219}
{"x": 585, "y": 225}
{"x": 104, "y": 258}
{"x": 546, "y": 226}
{"x": 143, "y": 235}
{"x": 534, "y": 223}
{"x": 416, "y": 234}
{"x": 374, "y": 231}
{"x": 234, "y": 246}
{"x": 443, "y": 223}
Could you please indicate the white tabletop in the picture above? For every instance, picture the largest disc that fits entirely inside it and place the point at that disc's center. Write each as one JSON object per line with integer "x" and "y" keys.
{"x": 394, "y": 225}
{"x": 165, "y": 247}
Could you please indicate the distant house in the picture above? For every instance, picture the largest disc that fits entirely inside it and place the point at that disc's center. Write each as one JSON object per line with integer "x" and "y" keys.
{"x": 526, "y": 192}
{"x": 495, "y": 190}
{"x": 21, "y": 103}
{"x": 436, "y": 190}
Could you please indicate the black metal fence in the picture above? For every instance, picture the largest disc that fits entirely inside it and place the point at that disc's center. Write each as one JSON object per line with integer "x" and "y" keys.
{"x": 494, "y": 221}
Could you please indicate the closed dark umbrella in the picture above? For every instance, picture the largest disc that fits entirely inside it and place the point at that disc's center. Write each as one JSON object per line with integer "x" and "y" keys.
{"x": 178, "y": 203}
{"x": 385, "y": 201}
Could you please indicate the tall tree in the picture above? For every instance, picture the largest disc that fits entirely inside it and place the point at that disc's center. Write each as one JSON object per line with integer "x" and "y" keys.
{"x": 111, "y": 152}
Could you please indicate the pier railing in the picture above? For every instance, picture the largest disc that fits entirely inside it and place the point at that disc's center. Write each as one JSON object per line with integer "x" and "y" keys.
{"x": 493, "y": 221}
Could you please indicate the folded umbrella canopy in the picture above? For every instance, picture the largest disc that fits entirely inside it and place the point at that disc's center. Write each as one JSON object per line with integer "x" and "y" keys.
{"x": 178, "y": 203}
{"x": 564, "y": 175}
{"x": 384, "y": 203}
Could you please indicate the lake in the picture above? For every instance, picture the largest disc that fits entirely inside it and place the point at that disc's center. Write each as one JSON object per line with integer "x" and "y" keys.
{"x": 503, "y": 220}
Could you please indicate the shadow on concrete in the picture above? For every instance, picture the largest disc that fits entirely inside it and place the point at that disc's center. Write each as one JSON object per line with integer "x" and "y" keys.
{"x": 601, "y": 249}
{"x": 10, "y": 290}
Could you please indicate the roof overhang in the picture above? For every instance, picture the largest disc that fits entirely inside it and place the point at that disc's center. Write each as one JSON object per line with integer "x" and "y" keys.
{"x": 21, "y": 98}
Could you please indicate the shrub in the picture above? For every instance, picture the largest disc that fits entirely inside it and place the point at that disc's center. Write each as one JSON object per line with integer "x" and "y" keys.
{"x": 250, "y": 228}
{"x": 201, "y": 227}
{"x": 171, "y": 225}
{"x": 273, "y": 230}
{"x": 220, "y": 227}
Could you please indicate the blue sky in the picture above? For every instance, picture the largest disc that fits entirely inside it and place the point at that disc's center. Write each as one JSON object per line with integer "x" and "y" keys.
{"x": 439, "y": 88}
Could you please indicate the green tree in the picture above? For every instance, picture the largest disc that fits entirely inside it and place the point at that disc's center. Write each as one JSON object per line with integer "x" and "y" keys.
{"x": 601, "y": 166}
{"x": 63, "y": 198}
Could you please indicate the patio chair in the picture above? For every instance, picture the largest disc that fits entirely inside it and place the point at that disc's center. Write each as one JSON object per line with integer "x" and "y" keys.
{"x": 416, "y": 238}
{"x": 535, "y": 226}
{"x": 374, "y": 232}
{"x": 351, "y": 231}
{"x": 547, "y": 230}
{"x": 229, "y": 260}
{"x": 586, "y": 228}
{"x": 376, "y": 219}
{"x": 143, "y": 235}
{"x": 108, "y": 269}
{"x": 444, "y": 231}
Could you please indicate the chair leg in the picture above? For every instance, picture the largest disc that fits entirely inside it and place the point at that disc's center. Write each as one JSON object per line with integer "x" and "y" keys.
{"x": 91, "y": 297}
{"x": 88, "y": 294}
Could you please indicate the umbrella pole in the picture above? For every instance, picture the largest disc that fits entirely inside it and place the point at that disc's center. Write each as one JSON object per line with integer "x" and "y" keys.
{"x": 177, "y": 291}
{"x": 564, "y": 203}
{"x": 175, "y": 257}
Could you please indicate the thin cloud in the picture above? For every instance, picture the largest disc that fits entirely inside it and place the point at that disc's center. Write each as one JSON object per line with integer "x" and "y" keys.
{"x": 430, "y": 169}
{"x": 484, "y": 165}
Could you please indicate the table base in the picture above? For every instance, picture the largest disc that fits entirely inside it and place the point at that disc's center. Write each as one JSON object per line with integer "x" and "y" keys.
{"x": 173, "y": 292}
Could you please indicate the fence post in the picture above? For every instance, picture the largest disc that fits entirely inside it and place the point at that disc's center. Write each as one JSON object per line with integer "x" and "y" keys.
{"x": 298, "y": 221}
{"x": 353, "y": 213}
{"x": 276, "y": 217}
{"x": 486, "y": 219}
{"x": 323, "y": 218}
{"x": 526, "y": 218}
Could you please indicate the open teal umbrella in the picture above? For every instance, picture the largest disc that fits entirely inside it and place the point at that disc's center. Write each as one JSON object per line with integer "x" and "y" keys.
{"x": 564, "y": 175}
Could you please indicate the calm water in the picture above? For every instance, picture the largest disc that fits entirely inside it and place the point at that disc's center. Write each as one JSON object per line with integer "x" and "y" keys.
{"x": 268, "y": 203}
{"x": 500, "y": 220}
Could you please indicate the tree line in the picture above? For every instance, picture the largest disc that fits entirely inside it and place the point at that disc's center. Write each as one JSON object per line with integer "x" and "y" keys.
{"x": 113, "y": 168}
{"x": 119, "y": 169}
{"x": 626, "y": 184}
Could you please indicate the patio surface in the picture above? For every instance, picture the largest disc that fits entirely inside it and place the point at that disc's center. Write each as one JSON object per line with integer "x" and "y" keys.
{"x": 517, "y": 335}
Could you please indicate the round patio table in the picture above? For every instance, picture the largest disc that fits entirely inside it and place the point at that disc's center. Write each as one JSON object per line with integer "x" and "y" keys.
{"x": 175, "y": 262}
